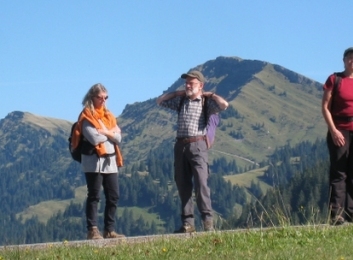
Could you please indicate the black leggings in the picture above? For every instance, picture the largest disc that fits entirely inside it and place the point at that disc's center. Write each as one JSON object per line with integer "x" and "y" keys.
{"x": 341, "y": 176}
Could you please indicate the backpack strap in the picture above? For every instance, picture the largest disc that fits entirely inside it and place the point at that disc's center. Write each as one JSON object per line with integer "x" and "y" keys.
{"x": 181, "y": 102}
{"x": 336, "y": 85}
{"x": 338, "y": 79}
{"x": 205, "y": 108}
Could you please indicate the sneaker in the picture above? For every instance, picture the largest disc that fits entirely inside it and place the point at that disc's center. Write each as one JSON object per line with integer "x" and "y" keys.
{"x": 185, "y": 228}
{"x": 337, "y": 221}
{"x": 208, "y": 226}
{"x": 112, "y": 234}
{"x": 93, "y": 233}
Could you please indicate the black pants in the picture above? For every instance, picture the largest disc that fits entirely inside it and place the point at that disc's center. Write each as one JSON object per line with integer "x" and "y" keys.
{"x": 341, "y": 176}
{"x": 111, "y": 191}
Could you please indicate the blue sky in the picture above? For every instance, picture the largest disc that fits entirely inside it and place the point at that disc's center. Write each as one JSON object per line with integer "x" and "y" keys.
{"x": 52, "y": 52}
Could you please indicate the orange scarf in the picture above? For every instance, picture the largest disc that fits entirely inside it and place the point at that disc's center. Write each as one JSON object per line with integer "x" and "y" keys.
{"x": 100, "y": 114}
{"x": 109, "y": 121}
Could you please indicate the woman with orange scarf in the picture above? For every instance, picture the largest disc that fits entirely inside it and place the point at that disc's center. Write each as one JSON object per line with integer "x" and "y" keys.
{"x": 99, "y": 127}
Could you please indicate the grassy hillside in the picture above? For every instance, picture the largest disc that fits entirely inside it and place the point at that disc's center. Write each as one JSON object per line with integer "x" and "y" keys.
{"x": 245, "y": 179}
{"x": 46, "y": 209}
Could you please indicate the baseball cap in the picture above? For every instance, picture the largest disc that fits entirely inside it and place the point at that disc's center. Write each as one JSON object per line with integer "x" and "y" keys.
{"x": 348, "y": 51}
{"x": 194, "y": 74}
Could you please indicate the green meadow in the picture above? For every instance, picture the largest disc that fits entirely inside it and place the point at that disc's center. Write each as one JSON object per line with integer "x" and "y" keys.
{"x": 304, "y": 242}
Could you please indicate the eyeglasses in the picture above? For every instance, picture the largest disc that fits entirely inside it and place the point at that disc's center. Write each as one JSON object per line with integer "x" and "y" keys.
{"x": 191, "y": 84}
{"x": 101, "y": 98}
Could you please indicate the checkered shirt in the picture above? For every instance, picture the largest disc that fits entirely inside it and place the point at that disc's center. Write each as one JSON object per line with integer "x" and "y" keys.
{"x": 191, "y": 119}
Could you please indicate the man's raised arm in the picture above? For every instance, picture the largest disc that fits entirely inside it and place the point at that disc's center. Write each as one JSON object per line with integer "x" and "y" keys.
{"x": 222, "y": 103}
{"x": 167, "y": 96}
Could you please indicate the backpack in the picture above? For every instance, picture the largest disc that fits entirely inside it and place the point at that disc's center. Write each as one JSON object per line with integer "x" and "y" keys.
{"x": 83, "y": 147}
{"x": 75, "y": 153}
{"x": 212, "y": 121}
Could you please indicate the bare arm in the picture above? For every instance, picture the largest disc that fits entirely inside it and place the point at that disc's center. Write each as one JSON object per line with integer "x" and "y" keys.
{"x": 222, "y": 103}
{"x": 170, "y": 95}
{"x": 337, "y": 136}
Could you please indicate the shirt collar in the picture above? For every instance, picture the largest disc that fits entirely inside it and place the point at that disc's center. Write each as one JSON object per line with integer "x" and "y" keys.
{"x": 197, "y": 98}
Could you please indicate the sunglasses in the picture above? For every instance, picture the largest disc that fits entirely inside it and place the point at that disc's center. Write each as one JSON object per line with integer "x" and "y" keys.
{"x": 101, "y": 98}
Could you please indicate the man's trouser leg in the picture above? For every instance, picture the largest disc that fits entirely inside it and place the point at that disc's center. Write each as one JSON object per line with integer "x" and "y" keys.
{"x": 183, "y": 180}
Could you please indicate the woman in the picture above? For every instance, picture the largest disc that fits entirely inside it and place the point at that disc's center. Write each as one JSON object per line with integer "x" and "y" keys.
{"x": 337, "y": 109}
{"x": 99, "y": 126}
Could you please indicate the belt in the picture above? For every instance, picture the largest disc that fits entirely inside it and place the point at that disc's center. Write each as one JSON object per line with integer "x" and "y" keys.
{"x": 343, "y": 118}
{"x": 191, "y": 139}
{"x": 107, "y": 155}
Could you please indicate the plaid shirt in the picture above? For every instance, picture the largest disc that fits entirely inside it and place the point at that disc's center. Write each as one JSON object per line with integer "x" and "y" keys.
{"x": 191, "y": 118}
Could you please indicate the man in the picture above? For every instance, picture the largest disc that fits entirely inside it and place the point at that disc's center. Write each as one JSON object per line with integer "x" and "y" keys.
{"x": 190, "y": 150}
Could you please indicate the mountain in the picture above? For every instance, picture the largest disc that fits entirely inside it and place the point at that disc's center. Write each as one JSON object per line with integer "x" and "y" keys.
{"x": 35, "y": 163}
{"x": 270, "y": 107}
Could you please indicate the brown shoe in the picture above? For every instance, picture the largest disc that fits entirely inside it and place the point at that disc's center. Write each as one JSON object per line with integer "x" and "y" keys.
{"x": 186, "y": 228}
{"x": 208, "y": 226}
{"x": 93, "y": 233}
{"x": 337, "y": 221}
{"x": 112, "y": 234}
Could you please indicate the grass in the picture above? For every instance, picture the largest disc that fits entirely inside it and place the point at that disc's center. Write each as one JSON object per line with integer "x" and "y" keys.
{"x": 306, "y": 242}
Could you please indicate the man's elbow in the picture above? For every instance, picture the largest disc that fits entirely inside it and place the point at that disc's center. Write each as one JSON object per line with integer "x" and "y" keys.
{"x": 158, "y": 101}
{"x": 224, "y": 105}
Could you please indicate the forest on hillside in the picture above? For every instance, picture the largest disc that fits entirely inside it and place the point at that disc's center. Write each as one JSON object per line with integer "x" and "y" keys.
{"x": 298, "y": 176}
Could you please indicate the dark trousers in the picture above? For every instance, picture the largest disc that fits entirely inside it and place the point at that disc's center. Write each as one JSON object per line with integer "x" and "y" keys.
{"x": 191, "y": 171}
{"x": 341, "y": 176}
{"x": 111, "y": 191}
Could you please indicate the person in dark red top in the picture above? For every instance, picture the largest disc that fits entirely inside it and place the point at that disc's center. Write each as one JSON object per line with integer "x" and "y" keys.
{"x": 337, "y": 109}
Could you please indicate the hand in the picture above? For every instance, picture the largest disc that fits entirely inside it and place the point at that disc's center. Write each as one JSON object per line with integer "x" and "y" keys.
{"x": 102, "y": 131}
{"x": 116, "y": 129}
{"x": 338, "y": 138}
{"x": 111, "y": 132}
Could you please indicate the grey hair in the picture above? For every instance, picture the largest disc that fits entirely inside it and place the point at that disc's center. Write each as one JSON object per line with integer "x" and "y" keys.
{"x": 93, "y": 92}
